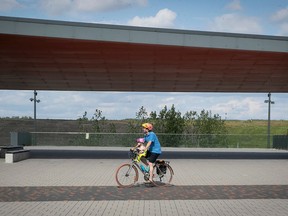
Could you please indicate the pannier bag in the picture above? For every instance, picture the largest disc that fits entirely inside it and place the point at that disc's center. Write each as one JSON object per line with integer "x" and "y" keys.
{"x": 162, "y": 167}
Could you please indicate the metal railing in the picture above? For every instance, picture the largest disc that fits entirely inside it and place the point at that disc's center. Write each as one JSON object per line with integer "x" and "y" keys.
{"x": 167, "y": 140}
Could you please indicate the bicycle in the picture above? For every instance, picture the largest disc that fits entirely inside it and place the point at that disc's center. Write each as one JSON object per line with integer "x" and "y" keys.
{"x": 127, "y": 174}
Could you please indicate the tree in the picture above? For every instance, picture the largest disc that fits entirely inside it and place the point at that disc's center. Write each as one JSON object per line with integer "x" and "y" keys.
{"x": 83, "y": 122}
{"x": 211, "y": 130}
{"x": 174, "y": 121}
{"x": 189, "y": 119}
{"x": 97, "y": 124}
{"x": 159, "y": 120}
{"x": 98, "y": 121}
{"x": 142, "y": 114}
{"x": 168, "y": 121}
{"x": 206, "y": 124}
{"x": 141, "y": 117}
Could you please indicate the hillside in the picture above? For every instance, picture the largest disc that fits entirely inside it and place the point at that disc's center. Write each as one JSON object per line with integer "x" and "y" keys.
{"x": 278, "y": 127}
{"x": 44, "y": 125}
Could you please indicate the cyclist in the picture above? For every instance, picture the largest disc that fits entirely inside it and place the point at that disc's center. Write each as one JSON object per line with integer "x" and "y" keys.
{"x": 153, "y": 147}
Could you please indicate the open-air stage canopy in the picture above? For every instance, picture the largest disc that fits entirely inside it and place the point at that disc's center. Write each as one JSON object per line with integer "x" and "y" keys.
{"x": 56, "y": 55}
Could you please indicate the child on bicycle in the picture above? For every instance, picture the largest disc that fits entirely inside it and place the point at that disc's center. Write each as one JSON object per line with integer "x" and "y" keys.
{"x": 140, "y": 149}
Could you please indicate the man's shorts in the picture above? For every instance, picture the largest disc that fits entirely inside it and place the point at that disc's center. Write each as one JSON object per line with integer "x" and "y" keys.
{"x": 151, "y": 157}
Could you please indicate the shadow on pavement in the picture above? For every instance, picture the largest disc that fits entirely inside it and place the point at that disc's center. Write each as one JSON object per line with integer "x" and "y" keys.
{"x": 115, "y": 154}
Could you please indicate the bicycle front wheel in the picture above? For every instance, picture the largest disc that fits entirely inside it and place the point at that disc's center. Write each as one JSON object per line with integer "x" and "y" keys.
{"x": 162, "y": 178}
{"x": 126, "y": 175}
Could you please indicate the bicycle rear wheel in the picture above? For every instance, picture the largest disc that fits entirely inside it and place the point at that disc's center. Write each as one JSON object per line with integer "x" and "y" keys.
{"x": 126, "y": 175}
{"x": 161, "y": 178}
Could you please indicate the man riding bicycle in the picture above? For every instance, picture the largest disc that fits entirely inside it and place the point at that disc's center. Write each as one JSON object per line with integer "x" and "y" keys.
{"x": 153, "y": 147}
{"x": 148, "y": 149}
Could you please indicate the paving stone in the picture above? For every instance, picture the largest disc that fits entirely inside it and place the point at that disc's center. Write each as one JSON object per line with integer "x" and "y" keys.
{"x": 88, "y": 193}
{"x": 275, "y": 207}
{"x": 88, "y": 187}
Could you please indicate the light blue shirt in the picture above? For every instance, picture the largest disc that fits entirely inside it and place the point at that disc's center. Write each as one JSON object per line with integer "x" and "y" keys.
{"x": 155, "y": 146}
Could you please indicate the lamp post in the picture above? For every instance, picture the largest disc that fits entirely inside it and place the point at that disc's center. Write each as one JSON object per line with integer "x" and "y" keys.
{"x": 35, "y": 101}
{"x": 269, "y": 111}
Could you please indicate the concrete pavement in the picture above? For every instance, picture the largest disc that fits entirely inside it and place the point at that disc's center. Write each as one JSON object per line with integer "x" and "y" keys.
{"x": 60, "y": 186}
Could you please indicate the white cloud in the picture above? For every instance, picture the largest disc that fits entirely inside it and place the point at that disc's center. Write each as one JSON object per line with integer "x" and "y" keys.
{"x": 240, "y": 109}
{"x": 169, "y": 99}
{"x": 281, "y": 18}
{"x": 235, "y": 5}
{"x": 66, "y": 6}
{"x": 106, "y": 5}
{"x": 281, "y": 15}
{"x": 56, "y": 6}
{"x": 236, "y": 23}
{"x": 284, "y": 29}
{"x": 14, "y": 97}
{"x": 7, "y": 5}
{"x": 164, "y": 18}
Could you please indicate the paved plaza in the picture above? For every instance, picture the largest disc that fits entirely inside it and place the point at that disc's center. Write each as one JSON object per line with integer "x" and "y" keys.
{"x": 80, "y": 186}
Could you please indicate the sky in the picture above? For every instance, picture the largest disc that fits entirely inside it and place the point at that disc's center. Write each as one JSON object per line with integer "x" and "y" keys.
{"x": 263, "y": 17}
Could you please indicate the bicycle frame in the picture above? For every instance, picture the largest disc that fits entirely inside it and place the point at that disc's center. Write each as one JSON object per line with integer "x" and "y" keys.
{"x": 156, "y": 166}
{"x": 135, "y": 163}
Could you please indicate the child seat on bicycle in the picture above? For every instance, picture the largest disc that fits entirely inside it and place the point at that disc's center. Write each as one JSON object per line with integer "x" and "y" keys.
{"x": 140, "y": 149}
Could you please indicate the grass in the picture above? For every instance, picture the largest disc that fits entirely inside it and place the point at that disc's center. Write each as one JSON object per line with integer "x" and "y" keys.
{"x": 257, "y": 127}
{"x": 253, "y": 133}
